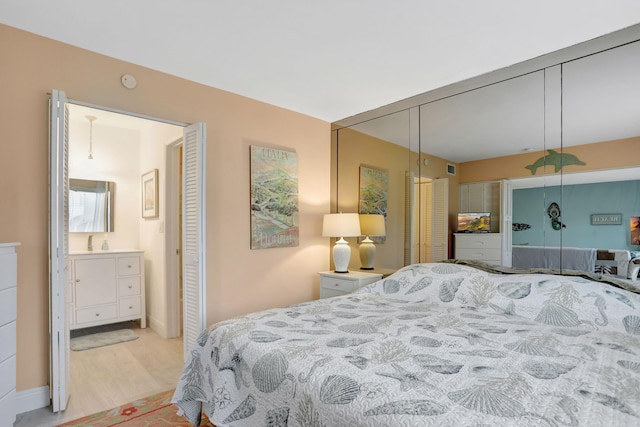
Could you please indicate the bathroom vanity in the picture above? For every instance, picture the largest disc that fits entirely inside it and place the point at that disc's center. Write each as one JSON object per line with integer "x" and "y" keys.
{"x": 106, "y": 287}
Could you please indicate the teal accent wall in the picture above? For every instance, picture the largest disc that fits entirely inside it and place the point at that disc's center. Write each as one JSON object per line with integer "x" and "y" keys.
{"x": 577, "y": 203}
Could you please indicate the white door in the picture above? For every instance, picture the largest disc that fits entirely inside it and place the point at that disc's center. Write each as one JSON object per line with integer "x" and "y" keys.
{"x": 440, "y": 220}
{"x": 431, "y": 220}
{"x": 58, "y": 250}
{"x": 193, "y": 233}
{"x": 506, "y": 224}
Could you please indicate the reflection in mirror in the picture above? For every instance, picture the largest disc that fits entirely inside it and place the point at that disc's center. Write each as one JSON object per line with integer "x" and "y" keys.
{"x": 540, "y": 124}
{"x": 474, "y": 130}
{"x": 91, "y": 205}
{"x": 380, "y": 145}
{"x": 600, "y": 134}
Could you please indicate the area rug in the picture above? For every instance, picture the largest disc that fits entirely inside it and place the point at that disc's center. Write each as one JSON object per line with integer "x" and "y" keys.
{"x": 152, "y": 411}
{"x": 85, "y": 342}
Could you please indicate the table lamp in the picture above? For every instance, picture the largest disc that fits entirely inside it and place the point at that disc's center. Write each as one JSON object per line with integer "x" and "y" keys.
{"x": 370, "y": 225}
{"x": 341, "y": 225}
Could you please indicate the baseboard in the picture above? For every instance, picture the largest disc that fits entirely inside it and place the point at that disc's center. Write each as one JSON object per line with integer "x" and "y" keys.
{"x": 31, "y": 399}
{"x": 158, "y": 326}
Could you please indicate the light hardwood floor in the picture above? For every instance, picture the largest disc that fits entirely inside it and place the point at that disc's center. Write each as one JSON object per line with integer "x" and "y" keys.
{"x": 106, "y": 377}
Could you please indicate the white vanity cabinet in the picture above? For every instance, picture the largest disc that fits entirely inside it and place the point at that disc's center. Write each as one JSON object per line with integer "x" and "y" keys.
{"x": 106, "y": 287}
{"x": 8, "y": 313}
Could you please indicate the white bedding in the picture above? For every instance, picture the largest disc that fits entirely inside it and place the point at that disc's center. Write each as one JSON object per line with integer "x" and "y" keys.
{"x": 433, "y": 344}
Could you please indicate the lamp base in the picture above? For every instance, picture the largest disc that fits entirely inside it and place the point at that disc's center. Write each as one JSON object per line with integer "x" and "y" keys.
{"x": 341, "y": 272}
{"x": 341, "y": 256}
{"x": 367, "y": 254}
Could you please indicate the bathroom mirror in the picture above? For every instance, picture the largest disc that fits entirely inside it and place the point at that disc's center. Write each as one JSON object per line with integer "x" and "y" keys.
{"x": 91, "y": 206}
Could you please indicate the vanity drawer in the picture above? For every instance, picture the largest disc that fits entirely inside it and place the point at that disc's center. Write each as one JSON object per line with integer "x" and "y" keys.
{"x": 129, "y": 286}
{"x": 130, "y": 306}
{"x": 128, "y": 266}
{"x": 96, "y": 314}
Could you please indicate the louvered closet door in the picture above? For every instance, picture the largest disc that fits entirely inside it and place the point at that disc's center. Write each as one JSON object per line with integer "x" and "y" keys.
{"x": 440, "y": 220}
{"x": 60, "y": 380}
{"x": 408, "y": 218}
{"x": 193, "y": 232}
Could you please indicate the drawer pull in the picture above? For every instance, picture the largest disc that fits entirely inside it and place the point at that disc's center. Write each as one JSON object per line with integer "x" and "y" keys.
{"x": 97, "y": 314}
{"x": 77, "y": 280}
{"x": 129, "y": 266}
{"x": 130, "y": 307}
{"x": 130, "y": 287}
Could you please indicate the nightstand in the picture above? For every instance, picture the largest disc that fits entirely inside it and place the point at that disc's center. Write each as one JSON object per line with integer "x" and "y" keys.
{"x": 333, "y": 284}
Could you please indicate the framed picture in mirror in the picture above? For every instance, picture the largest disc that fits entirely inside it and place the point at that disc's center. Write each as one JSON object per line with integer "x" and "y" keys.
{"x": 372, "y": 195}
{"x": 150, "y": 194}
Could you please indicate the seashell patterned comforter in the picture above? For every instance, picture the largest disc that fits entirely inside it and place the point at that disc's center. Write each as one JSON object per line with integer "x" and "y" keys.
{"x": 433, "y": 344}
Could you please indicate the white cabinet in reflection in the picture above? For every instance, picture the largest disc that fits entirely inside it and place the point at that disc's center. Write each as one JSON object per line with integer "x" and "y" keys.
{"x": 106, "y": 287}
{"x": 483, "y": 197}
{"x": 485, "y": 247}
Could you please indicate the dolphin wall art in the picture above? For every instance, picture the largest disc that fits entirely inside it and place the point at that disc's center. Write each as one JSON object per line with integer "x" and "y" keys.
{"x": 557, "y": 160}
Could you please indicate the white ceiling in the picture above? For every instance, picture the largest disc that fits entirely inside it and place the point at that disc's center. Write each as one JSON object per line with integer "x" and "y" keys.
{"x": 328, "y": 59}
{"x": 591, "y": 98}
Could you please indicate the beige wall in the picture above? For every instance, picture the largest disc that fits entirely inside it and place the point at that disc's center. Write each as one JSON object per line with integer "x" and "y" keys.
{"x": 597, "y": 156}
{"x": 239, "y": 280}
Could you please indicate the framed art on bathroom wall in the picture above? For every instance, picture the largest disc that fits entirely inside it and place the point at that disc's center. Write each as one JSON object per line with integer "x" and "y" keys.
{"x": 150, "y": 194}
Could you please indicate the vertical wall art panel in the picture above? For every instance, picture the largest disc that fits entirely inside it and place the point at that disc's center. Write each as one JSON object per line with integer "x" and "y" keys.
{"x": 274, "y": 198}
{"x": 635, "y": 230}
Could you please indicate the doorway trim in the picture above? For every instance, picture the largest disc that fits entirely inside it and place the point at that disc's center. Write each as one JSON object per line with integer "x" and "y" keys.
{"x": 60, "y": 382}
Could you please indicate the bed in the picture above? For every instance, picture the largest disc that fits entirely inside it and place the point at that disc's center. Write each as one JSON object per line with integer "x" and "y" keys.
{"x": 444, "y": 344}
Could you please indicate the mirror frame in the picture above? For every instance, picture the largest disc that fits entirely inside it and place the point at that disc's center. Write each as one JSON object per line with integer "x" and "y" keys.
{"x": 109, "y": 207}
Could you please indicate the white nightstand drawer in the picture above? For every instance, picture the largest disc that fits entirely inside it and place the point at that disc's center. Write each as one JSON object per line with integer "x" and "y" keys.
{"x": 333, "y": 284}
{"x": 336, "y": 284}
{"x": 128, "y": 286}
{"x": 96, "y": 314}
{"x": 129, "y": 306}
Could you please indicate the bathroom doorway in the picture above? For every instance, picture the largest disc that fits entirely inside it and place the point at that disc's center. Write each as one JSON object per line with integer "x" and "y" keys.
{"x": 140, "y": 144}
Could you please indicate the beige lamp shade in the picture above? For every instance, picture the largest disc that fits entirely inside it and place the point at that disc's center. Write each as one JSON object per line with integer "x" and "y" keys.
{"x": 372, "y": 225}
{"x": 341, "y": 225}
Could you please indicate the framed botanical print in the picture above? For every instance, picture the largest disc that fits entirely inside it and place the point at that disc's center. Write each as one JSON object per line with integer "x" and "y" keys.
{"x": 274, "y": 198}
{"x": 150, "y": 194}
